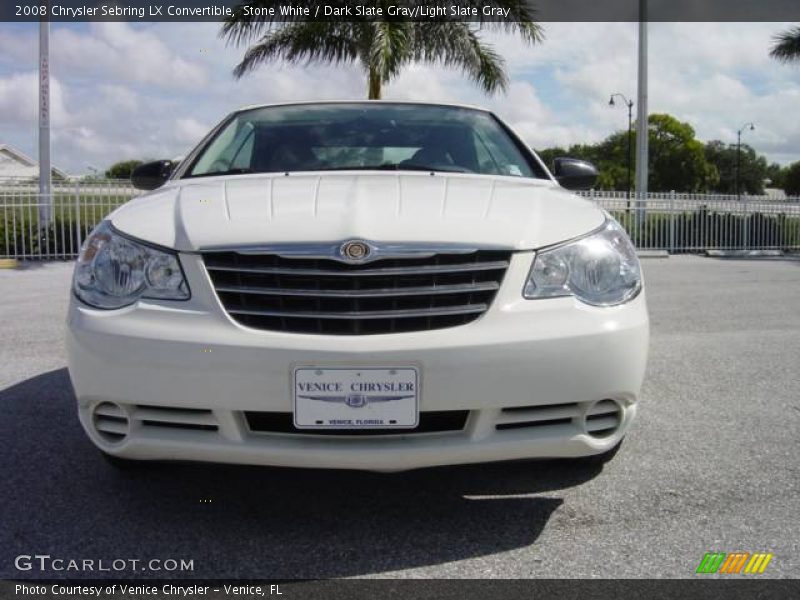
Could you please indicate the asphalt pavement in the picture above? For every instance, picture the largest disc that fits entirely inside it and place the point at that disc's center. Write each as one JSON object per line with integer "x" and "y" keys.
{"x": 711, "y": 465}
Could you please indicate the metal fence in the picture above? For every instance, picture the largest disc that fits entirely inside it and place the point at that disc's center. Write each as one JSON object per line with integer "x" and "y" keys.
{"x": 32, "y": 229}
{"x": 699, "y": 222}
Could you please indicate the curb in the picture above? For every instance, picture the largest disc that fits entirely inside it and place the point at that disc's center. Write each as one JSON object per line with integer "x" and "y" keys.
{"x": 652, "y": 254}
{"x": 742, "y": 253}
{"x": 9, "y": 263}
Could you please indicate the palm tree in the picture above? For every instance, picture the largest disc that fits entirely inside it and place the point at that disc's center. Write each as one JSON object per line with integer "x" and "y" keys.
{"x": 787, "y": 45}
{"x": 381, "y": 47}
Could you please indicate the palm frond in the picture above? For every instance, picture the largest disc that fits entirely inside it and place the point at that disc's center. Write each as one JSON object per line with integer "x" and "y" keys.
{"x": 383, "y": 47}
{"x": 305, "y": 41}
{"x": 390, "y": 48}
{"x": 787, "y": 45}
{"x": 521, "y": 18}
{"x": 456, "y": 44}
{"x": 243, "y": 27}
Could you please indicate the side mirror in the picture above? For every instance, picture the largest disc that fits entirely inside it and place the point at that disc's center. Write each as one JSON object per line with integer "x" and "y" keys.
{"x": 152, "y": 175}
{"x": 575, "y": 174}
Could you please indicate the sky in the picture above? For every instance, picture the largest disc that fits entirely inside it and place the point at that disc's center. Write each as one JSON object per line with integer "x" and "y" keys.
{"x": 152, "y": 90}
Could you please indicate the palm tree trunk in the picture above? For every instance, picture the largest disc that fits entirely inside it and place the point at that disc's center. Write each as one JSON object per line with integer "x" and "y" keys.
{"x": 374, "y": 84}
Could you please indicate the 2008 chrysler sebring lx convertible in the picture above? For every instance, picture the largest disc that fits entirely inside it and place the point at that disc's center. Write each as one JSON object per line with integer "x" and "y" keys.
{"x": 371, "y": 285}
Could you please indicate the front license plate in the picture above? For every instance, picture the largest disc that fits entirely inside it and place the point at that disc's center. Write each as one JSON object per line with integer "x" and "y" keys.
{"x": 356, "y": 398}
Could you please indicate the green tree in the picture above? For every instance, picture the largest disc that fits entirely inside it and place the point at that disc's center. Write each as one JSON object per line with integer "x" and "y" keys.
{"x": 609, "y": 162}
{"x": 611, "y": 158}
{"x": 677, "y": 159}
{"x": 122, "y": 169}
{"x": 791, "y": 184}
{"x": 786, "y": 46}
{"x": 381, "y": 47}
{"x": 776, "y": 175}
{"x": 548, "y": 155}
{"x": 753, "y": 169}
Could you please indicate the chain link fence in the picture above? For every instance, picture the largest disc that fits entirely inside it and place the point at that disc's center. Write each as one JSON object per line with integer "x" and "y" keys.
{"x": 33, "y": 229}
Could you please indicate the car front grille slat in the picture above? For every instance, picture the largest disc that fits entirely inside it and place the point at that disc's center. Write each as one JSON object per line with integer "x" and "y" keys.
{"x": 162, "y": 417}
{"x": 363, "y": 314}
{"x": 433, "y": 269}
{"x": 330, "y": 297}
{"x": 179, "y": 415}
{"x": 378, "y": 293}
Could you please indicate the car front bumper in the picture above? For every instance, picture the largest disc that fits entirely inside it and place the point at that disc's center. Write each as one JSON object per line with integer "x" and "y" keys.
{"x": 182, "y": 378}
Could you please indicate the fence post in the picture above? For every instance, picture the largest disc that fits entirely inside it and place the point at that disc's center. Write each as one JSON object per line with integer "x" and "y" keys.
{"x": 672, "y": 222}
{"x": 746, "y": 227}
{"x": 78, "y": 230}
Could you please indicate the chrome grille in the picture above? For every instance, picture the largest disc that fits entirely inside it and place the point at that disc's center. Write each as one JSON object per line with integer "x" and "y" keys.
{"x": 325, "y": 296}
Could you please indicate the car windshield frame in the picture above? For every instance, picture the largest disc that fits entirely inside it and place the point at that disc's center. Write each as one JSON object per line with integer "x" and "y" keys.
{"x": 467, "y": 119}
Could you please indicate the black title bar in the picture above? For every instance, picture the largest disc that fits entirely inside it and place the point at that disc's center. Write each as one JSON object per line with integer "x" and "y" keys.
{"x": 387, "y": 10}
{"x": 734, "y": 588}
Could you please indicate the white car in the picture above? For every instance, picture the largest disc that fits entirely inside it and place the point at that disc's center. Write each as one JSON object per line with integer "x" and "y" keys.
{"x": 364, "y": 285}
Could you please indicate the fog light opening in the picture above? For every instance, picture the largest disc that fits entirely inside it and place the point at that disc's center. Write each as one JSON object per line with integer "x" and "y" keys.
{"x": 603, "y": 418}
{"x": 110, "y": 422}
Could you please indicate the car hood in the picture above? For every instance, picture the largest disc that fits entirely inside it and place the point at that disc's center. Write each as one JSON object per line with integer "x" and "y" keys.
{"x": 506, "y": 212}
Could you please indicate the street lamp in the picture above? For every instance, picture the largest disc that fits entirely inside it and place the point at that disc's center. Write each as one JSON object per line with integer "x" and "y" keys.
{"x": 45, "y": 169}
{"x": 629, "y": 104}
{"x": 746, "y": 126}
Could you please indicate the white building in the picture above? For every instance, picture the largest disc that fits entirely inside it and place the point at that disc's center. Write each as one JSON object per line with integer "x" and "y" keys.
{"x": 774, "y": 193}
{"x": 17, "y": 165}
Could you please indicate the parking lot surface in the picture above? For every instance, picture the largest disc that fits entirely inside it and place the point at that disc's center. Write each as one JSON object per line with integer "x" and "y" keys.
{"x": 711, "y": 464}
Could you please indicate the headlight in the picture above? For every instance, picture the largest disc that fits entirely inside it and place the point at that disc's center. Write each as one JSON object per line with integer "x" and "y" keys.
{"x": 114, "y": 271}
{"x": 601, "y": 269}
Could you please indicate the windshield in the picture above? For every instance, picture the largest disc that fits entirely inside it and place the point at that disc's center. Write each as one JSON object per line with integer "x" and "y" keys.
{"x": 363, "y": 137}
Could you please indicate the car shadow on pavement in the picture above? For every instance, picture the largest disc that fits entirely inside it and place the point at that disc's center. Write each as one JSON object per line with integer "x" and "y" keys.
{"x": 61, "y": 498}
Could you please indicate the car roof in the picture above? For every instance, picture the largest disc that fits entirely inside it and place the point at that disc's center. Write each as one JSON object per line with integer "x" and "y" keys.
{"x": 363, "y": 102}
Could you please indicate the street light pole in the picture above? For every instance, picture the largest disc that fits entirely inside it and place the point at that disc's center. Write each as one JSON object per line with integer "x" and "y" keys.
{"x": 45, "y": 197}
{"x": 642, "y": 123}
{"x": 751, "y": 127}
{"x": 629, "y": 148}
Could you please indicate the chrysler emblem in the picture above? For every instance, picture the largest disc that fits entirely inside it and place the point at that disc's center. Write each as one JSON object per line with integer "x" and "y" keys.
{"x": 354, "y": 251}
{"x": 356, "y": 400}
